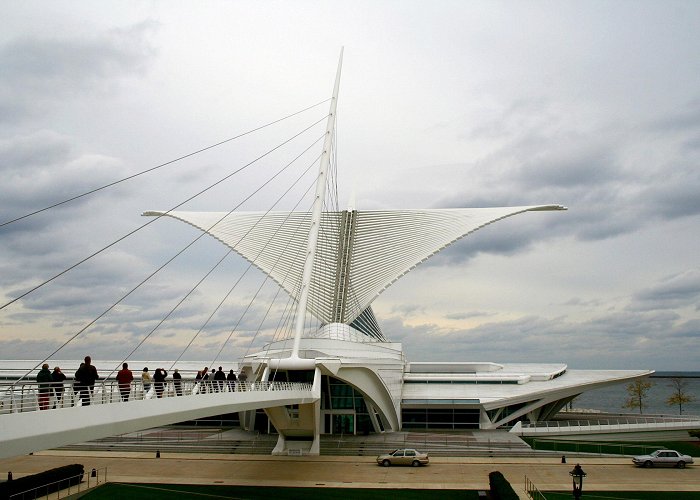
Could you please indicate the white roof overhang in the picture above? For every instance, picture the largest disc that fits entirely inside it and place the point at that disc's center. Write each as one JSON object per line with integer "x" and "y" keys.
{"x": 386, "y": 244}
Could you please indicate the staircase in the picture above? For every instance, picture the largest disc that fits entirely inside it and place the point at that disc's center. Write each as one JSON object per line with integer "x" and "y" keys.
{"x": 217, "y": 440}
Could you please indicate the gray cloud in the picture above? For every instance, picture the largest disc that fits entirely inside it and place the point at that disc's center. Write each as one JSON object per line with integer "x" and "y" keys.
{"x": 684, "y": 120}
{"x": 675, "y": 197}
{"x": 44, "y": 168}
{"x": 687, "y": 330}
{"x": 579, "y": 302}
{"x": 407, "y": 309}
{"x": 680, "y": 290}
{"x": 42, "y": 72}
{"x": 622, "y": 340}
{"x": 597, "y": 175}
{"x": 468, "y": 315}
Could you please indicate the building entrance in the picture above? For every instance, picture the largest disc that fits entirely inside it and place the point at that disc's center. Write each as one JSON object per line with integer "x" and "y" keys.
{"x": 343, "y": 424}
{"x": 343, "y": 408}
{"x": 338, "y": 423}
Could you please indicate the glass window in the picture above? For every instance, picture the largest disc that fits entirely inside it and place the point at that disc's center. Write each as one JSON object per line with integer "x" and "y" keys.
{"x": 440, "y": 416}
{"x": 301, "y": 376}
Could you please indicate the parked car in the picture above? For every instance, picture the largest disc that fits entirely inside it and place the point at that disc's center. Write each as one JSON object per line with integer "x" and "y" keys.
{"x": 405, "y": 456}
{"x": 667, "y": 458}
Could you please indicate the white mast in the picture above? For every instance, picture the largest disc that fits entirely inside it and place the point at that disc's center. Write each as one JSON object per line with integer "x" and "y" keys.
{"x": 316, "y": 218}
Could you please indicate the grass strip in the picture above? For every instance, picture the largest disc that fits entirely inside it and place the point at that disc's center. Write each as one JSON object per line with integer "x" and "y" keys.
{"x": 691, "y": 448}
{"x": 626, "y": 495}
{"x": 135, "y": 491}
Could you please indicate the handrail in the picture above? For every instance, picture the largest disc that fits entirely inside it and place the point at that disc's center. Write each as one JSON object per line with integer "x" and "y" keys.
{"x": 612, "y": 421}
{"x": 533, "y": 491}
{"x": 20, "y": 397}
{"x": 75, "y": 484}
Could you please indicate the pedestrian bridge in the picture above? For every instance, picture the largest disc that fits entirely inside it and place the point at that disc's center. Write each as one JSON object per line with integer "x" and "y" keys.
{"x": 24, "y": 428}
{"x": 621, "y": 424}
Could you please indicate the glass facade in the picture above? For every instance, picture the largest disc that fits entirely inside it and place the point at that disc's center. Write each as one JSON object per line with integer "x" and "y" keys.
{"x": 440, "y": 418}
{"x": 343, "y": 409}
{"x": 495, "y": 415}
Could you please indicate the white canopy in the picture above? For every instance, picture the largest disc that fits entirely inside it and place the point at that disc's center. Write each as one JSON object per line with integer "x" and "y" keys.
{"x": 360, "y": 253}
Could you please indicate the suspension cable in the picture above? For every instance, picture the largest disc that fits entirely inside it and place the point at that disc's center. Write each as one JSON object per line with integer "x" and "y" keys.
{"x": 332, "y": 200}
{"x": 230, "y": 251}
{"x": 267, "y": 277}
{"x": 130, "y": 233}
{"x": 164, "y": 264}
{"x": 251, "y": 263}
{"x": 114, "y": 183}
{"x": 288, "y": 312}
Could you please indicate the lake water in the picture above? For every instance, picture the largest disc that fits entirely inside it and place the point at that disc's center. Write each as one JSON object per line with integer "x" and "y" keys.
{"x": 611, "y": 399}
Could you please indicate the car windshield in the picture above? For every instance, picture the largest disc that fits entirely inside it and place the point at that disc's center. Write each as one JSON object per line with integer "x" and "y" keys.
{"x": 655, "y": 453}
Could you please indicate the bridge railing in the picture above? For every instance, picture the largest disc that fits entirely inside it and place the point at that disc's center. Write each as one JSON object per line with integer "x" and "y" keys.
{"x": 66, "y": 487}
{"x": 533, "y": 491}
{"x": 610, "y": 425}
{"x": 24, "y": 396}
{"x": 611, "y": 422}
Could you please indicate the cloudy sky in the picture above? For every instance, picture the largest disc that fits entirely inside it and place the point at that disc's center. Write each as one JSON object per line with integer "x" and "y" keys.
{"x": 592, "y": 105}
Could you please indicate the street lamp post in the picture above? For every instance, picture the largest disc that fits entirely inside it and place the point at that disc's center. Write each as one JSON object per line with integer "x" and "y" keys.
{"x": 577, "y": 476}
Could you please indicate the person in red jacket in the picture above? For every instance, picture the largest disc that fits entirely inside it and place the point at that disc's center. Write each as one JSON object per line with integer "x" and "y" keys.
{"x": 124, "y": 379}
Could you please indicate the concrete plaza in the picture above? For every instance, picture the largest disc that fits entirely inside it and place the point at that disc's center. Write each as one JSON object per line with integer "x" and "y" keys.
{"x": 547, "y": 473}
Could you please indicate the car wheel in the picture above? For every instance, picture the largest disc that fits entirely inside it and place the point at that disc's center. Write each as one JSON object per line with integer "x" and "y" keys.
{"x": 386, "y": 463}
{"x": 681, "y": 464}
{"x": 648, "y": 463}
{"x": 415, "y": 463}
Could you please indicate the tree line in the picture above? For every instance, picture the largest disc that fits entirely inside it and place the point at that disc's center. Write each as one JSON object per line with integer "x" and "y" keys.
{"x": 638, "y": 391}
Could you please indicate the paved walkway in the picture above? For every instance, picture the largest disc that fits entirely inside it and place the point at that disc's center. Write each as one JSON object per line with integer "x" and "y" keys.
{"x": 358, "y": 472}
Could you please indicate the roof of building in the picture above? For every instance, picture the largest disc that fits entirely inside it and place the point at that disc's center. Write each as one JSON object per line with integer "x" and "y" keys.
{"x": 359, "y": 255}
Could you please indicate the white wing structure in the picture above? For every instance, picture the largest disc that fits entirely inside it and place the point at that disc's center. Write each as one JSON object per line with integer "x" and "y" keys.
{"x": 359, "y": 255}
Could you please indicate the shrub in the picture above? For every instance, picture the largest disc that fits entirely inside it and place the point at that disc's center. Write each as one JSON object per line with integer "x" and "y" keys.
{"x": 501, "y": 488}
{"x": 42, "y": 483}
{"x": 694, "y": 433}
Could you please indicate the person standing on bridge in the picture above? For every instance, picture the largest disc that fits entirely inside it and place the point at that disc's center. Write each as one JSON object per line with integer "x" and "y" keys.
{"x": 57, "y": 377}
{"x": 177, "y": 382}
{"x": 231, "y": 380}
{"x": 43, "y": 380}
{"x": 146, "y": 381}
{"x": 86, "y": 375}
{"x": 77, "y": 386}
{"x": 219, "y": 379}
{"x": 204, "y": 386}
{"x": 159, "y": 381}
{"x": 124, "y": 379}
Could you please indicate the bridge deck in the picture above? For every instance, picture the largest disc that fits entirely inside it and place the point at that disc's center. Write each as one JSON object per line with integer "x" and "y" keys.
{"x": 23, "y": 431}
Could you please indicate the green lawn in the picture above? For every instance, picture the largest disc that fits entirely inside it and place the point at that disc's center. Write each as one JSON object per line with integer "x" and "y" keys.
{"x": 175, "y": 491}
{"x": 691, "y": 448}
{"x": 627, "y": 495}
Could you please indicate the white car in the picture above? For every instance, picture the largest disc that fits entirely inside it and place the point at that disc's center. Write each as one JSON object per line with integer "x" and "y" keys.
{"x": 406, "y": 456}
{"x": 667, "y": 458}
